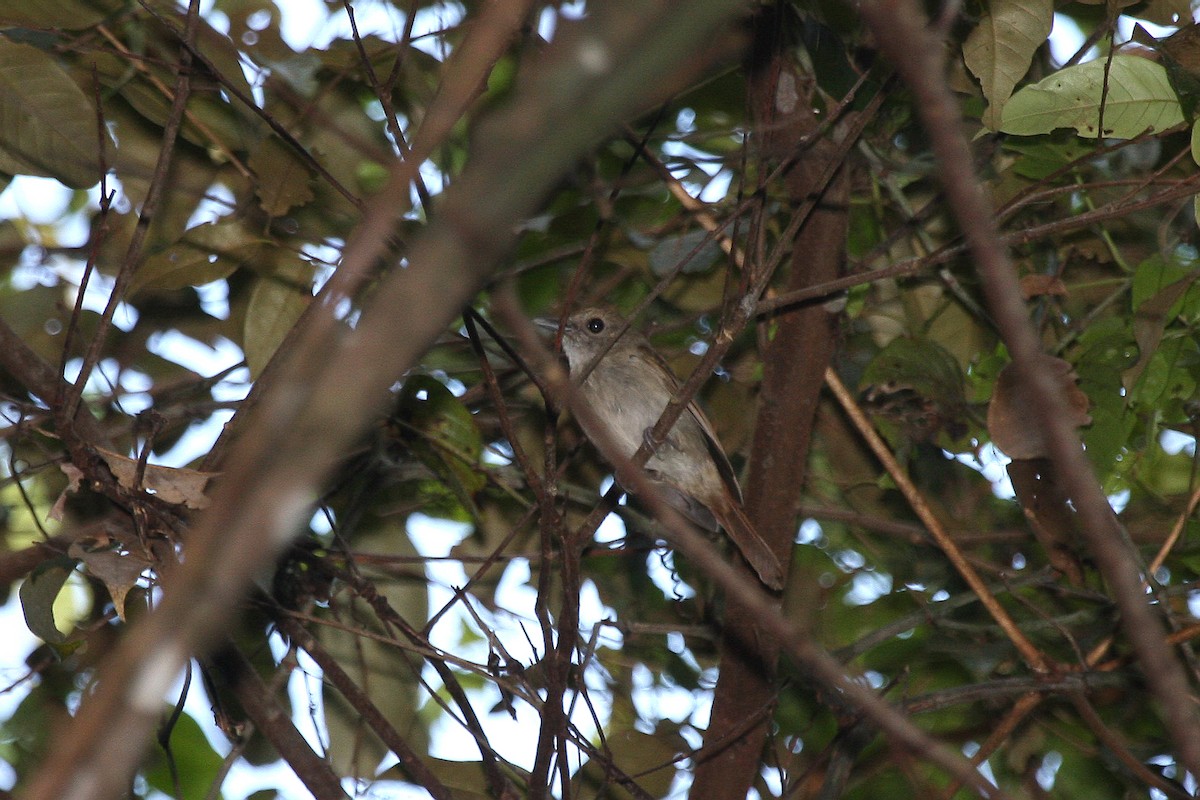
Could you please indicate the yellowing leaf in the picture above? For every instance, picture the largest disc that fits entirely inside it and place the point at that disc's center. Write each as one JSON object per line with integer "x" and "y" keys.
{"x": 1139, "y": 98}
{"x": 1001, "y": 47}
{"x": 47, "y": 123}
{"x": 1196, "y": 141}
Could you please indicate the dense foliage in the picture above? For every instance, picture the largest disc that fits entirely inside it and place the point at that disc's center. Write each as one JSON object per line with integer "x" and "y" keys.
{"x": 182, "y": 185}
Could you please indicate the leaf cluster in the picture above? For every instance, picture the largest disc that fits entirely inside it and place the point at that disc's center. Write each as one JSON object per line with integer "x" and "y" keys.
{"x": 454, "y": 583}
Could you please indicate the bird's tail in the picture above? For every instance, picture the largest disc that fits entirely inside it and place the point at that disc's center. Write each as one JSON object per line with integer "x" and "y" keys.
{"x": 752, "y": 547}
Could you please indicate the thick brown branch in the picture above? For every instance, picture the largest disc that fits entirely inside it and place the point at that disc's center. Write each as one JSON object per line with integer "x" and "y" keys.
{"x": 899, "y": 28}
{"x": 275, "y": 723}
{"x": 802, "y": 346}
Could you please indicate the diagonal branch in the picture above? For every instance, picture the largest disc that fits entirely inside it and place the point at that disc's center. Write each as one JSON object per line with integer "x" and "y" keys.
{"x": 603, "y": 69}
{"x": 899, "y": 26}
{"x": 1033, "y": 657}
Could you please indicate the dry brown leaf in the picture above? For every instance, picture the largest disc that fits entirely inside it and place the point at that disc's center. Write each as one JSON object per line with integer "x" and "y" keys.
{"x": 74, "y": 477}
{"x": 1042, "y": 285}
{"x": 118, "y": 571}
{"x": 173, "y": 485}
{"x": 1011, "y": 421}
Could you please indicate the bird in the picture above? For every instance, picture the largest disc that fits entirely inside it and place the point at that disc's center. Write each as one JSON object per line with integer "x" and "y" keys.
{"x": 628, "y": 385}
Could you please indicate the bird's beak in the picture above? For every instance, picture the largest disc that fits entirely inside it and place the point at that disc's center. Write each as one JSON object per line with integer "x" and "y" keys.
{"x": 547, "y": 324}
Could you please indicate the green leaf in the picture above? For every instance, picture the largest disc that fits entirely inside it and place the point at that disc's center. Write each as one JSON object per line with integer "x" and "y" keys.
{"x": 69, "y": 15}
{"x": 1160, "y": 290}
{"x": 1139, "y": 98}
{"x": 276, "y": 302}
{"x": 283, "y": 179}
{"x": 651, "y": 757}
{"x": 466, "y": 779}
{"x": 1107, "y": 349}
{"x": 914, "y": 389}
{"x": 38, "y": 593}
{"x": 698, "y": 246}
{"x": 1001, "y": 47}
{"x": 442, "y": 433}
{"x": 47, "y": 124}
{"x": 206, "y": 253}
{"x": 1166, "y": 376}
{"x": 196, "y": 763}
{"x": 1042, "y": 157}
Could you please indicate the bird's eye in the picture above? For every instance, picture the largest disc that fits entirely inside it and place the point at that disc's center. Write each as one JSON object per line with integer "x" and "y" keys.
{"x": 595, "y": 324}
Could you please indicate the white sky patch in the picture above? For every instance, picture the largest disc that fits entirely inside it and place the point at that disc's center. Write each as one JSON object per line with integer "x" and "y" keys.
{"x": 550, "y": 17}
{"x": 207, "y": 361}
{"x": 245, "y": 779}
{"x": 515, "y": 627}
{"x": 1173, "y": 443}
{"x": 307, "y": 23}
{"x": 430, "y": 21}
{"x": 300, "y": 22}
{"x": 40, "y": 200}
{"x": 1066, "y": 37}
{"x": 194, "y": 354}
{"x": 868, "y": 586}
{"x": 214, "y": 299}
{"x": 18, "y": 643}
{"x": 593, "y": 613}
{"x": 157, "y": 671}
{"x": 1125, "y": 27}
{"x": 96, "y": 296}
{"x": 217, "y": 202}
{"x": 719, "y": 178}
{"x": 992, "y": 465}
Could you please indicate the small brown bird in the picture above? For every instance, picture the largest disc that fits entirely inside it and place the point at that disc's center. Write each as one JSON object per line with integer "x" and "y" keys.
{"x": 628, "y": 388}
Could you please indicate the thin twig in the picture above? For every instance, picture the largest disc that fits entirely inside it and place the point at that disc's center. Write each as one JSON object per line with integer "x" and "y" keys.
{"x": 735, "y": 583}
{"x": 1033, "y": 657}
{"x": 154, "y": 195}
{"x": 899, "y": 27}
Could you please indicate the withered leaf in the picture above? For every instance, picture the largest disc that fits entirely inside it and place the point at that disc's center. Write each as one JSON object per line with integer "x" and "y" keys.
{"x": 1011, "y": 422}
{"x": 118, "y": 571}
{"x": 74, "y": 476}
{"x": 1042, "y": 285}
{"x": 170, "y": 484}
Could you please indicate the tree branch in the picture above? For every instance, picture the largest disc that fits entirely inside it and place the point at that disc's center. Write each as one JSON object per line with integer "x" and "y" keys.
{"x": 899, "y": 27}
{"x": 601, "y": 70}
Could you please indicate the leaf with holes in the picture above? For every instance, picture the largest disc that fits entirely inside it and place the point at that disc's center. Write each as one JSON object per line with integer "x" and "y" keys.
{"x": 119, "y": 572}
{"x": 173, "y": 485}
{"x": 1139, "y": 98}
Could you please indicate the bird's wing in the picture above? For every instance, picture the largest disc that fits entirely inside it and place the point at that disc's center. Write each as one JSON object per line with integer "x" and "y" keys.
{"x": 710, "y": 436}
